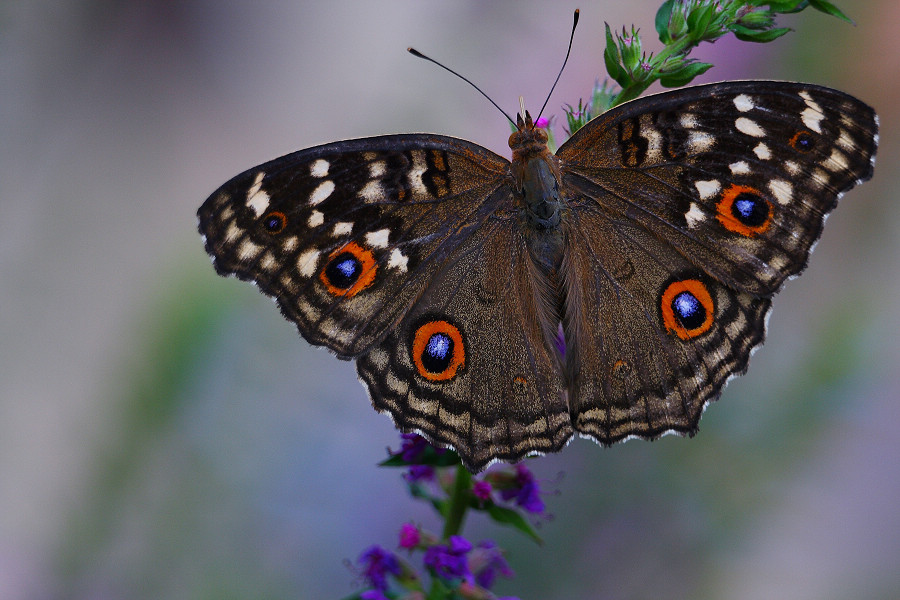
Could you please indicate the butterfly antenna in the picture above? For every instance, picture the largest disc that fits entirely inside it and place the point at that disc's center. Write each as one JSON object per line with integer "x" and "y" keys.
{"x": 418, "y": 54}
{"x": 553, "y": 87}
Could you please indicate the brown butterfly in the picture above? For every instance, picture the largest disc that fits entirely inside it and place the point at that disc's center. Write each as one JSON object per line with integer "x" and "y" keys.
{"x": 610, "y": 289}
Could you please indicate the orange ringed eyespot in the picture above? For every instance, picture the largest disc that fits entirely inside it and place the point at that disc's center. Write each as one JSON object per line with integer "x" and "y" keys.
{"x": 743, "y": 210}
{"x": 274, "y": 222}
{"x": 438, "y": 350}
{"x": 802, "y": 141}
{"x": 349, "y": 270}
{"x": 687, "y": 308}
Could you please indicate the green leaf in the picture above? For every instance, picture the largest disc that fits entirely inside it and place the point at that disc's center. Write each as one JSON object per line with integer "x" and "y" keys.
{"x": 783, "y": 7}
{"x": 699, "y": 19}
{"x": 684, "y": 75}
{"x": 508, "y": 516}
{"x": 662, "y": 21}
{"x": 830, "y": 9}
{"x": 746, "y": 34}
{"x": 613, "y": 60}
{"x": 430, "y": 456}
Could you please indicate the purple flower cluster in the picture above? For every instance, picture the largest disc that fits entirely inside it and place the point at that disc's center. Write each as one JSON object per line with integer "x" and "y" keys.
{"x": 377, "y": 563}
{"x": 460, "y": 565}
{"x": 524, "y": 491}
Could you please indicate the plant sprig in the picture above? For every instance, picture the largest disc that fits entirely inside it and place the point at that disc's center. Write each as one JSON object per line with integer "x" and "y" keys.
{"x": 682, "y": 25}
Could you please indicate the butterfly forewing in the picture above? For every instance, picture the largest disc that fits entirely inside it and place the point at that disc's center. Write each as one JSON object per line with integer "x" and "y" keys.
{"x": 737, "y": 176}
{"x": 345, "y": 236}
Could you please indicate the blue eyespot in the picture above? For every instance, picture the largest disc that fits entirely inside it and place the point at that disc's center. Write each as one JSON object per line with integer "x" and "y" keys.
{"x": 750, "y": 210}
{"x": 438, "y": 352}
{"x": 343, "y": 271}
{"x": 688, "y": 310}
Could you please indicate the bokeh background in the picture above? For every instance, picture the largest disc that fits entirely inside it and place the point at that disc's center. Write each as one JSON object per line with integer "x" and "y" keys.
{"x": 165, "y": 434}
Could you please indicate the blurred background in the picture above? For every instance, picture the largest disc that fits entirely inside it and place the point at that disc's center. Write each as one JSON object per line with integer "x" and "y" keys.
{"x": 164, "y": 433}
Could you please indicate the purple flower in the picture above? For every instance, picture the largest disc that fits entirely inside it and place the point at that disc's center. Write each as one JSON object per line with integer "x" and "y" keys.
{"x": 418, "y": 473}
{"x": 373, "y": 595}
{"x": 413, "y": 446}
{"x": 525, "y": 491}
{"x": 409, "y": 536}
{"x": 449, "y": 562}
{"x": 482, "y": 490}
{"x": 542, "y": 122}
{"x": 377, "y": 563}
{"x": 486, "y": 562}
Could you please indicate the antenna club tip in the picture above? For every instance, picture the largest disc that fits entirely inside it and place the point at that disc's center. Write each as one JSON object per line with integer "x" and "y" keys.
{"x": 414, "y": 52}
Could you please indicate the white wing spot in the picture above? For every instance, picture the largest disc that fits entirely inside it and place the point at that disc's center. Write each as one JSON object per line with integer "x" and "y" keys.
{"x": 257, "y": 185}
{"x": 743, "y": 102}
{"x": 319, "y": 168}
{"x": 398, "y": 260}
{"x": 257, "y": 199}
{"x": 791, "y": 167}
{"x": 689, "y": 120}
{"x": 378, "y": 239}
{"x": 306, "y": 262}
{"x": 232, "y": 232}
{"x": 290, "y": 244}
{"x": 749, "y": 127}
{"x": 694, "y": 216}
{"x": 812, "y": 116}
{"x": 248, "y": 250}
{"x": 372, "y": 191}
{"x": 322, "y": 192}
{"x": 838, "y": 161}
{"x": 739, "y": 168}
{"x": 377, "y": 169}
{"x": 315, "y": 219}
{"x": 342, "y": 228}
{"x": 762, "y": 151}
{"x": 782, "y": 190}
{"x": 415, "y": 173}
{"x": 845, "y": 141}
{"x": 700, "y": 141}
{"x": 708, "y": 189}
{"x": 268, "y": 261}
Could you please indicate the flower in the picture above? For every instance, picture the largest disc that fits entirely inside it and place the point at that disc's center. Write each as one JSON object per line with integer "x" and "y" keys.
{"x": 525, "y": 491}
{"x": 409, "y": 536}
{"x": 412, "y": 447}
{"x": 486, "y": 561}
{"x": 542, "y": 122}
{"x": 377, "y": 563}
{"x": 482, "y": 490}
{"x": 449, "y": 562}
{"x": 373, "y": 595}
{"x": 418, "y": 473}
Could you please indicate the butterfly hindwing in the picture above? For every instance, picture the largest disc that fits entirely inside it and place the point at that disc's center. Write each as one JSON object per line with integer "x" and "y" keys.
{"x": 345, "y": 236}
{"x": 650, "y": 337}
{"x": 736, "y": 176}
{"x": 470, "y": 364}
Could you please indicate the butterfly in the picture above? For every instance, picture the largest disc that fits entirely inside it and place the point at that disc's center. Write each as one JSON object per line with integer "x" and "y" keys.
{"x": 610, "y": 289}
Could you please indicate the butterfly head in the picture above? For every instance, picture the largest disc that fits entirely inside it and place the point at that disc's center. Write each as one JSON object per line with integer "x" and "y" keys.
{"x": 527, "y": 141}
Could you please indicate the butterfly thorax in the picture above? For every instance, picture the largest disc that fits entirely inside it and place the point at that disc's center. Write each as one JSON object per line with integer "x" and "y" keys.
{"x": 535, "y": 171}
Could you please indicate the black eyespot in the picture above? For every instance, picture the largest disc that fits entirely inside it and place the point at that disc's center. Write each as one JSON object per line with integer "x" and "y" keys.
{"x": 802, "y": 141}
{"x": 438, "y": 353}
{"x": 750, "y": 209}
{"x": 274, "y": 222}
{"x": 688, "y": 310}
{"x": 343, "y": 270}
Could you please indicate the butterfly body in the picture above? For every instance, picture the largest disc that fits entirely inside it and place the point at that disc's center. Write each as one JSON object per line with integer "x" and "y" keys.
{"x": 611, "y": 290}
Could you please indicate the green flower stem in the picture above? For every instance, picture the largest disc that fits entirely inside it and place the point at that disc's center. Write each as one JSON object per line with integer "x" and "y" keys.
{"x": 459, "y": 502}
